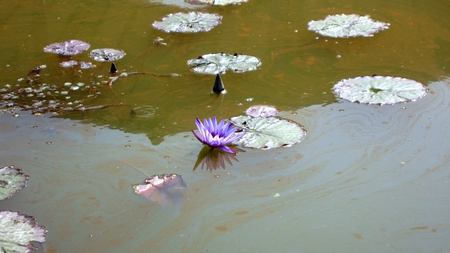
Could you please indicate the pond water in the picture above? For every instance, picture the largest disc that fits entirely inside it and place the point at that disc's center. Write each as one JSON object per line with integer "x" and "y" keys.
{"x": 365, "y": 179}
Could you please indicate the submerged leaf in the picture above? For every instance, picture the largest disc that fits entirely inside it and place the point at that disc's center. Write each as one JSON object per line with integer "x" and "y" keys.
{"x": 380, "y": 90}
{"x": 216, "y": 2}
{"x": 11, "y": 180}
{"x": 163, "y": 189}
{"x": 107, "y": 54}
{"x": 17, "y": 231}
{"x": 267, "y": 133}
{"x": 344, "y": 26}
{"x": 191, "y": 22}
{"x": 221, "y": 62}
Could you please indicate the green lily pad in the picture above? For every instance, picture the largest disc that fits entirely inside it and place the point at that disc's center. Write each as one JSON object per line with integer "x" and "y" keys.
{"x": 382, "y": 90}
{"x": 191, "y": 22}
{"x": 11, "y": 181}
{"x": 17, "y": 231}
{"x": 221, "y": 62}
{"x": 216, "y": 2}
{"x": 344, "y": 26}
{"x": 267, "y": 133}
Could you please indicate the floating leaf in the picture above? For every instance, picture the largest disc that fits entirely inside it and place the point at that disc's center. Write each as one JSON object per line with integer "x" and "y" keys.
{"x": 267, "y": 133}
{"x": 68, "y": 64}
{"x": 380, "y": 90}
{"x": 221, "y": 62}
{"x": 87, "y": 65}
{"x": 191, "y": 22}
{"x": 163, "y": 189}
{"x": 261, "y": 111}
{"x": 11, "y": 180}
{"x": 17, "y": 231}
{"x": 216, "y": 2}
{"x": 107, "y": 54}
{"x": 70, "y": 47}
{"x": 344, "y": 26}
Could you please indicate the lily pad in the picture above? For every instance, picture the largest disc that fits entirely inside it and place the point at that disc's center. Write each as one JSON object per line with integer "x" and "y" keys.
{"x": 267, "y": 133}
{"x": 17, "y": 231}
{"x": 107, "y": 54}
{"x": 68, "y": 64}
{"x": 262, "y": 111}
{"x": 67, "y": 48}
{"x": 380, "y": 90}
{"x": 221, "y": 62}
{"x": 163, "y": 189}
{"x": 11, "y": 180}
{"x": 216, "y": 2}
{"x": 191, "y": 22}
{"x": 344, "y": 26}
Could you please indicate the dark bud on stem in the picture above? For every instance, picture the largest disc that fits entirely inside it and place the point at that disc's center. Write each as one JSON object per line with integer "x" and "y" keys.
{"x": 218, "y": 85}
{"x": 113, "y": 68}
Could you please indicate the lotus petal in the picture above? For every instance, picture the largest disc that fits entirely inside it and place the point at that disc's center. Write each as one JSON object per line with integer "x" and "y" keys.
{"x": 221, "y": 62}
{"x": 344, "y": 26}
{"x": 216, "y": 2}
{"x": 70, "y": 47}
{"x": 380, "y": 90}
{"x": 17, "y": 231}
{"x": 191, "y": 22}
{"x": 267, "y": 133}
{"x": 11, "y": 181}
{"x": 107, "y": 54}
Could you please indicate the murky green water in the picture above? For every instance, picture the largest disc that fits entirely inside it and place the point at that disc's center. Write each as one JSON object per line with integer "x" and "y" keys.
{"x": 366, "y": 178}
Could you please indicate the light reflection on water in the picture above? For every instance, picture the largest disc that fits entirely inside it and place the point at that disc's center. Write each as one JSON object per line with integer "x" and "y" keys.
{"x": 366, "y": 178}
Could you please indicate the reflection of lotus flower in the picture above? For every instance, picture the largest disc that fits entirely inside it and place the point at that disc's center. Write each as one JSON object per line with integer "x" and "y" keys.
{"x": 216, "y": 135}
{"x": 212, "y": 159}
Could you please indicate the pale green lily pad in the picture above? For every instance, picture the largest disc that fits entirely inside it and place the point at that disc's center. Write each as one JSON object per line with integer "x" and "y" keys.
{"x": 344, "y": 26}
{"x": 17, "y": 231}
{"x": 11, "y": 180}
{"x": 107, "y": 54}
{"x": 191, "y": 22}
{"x": 216, "y": 2}
{"x": 267, "y": 133}
{"x": 382, "y": 90}
{"x": 221, "y": 62}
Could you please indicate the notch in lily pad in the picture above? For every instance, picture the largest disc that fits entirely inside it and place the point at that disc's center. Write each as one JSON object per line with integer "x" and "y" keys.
{"x": 221, "y": 62}
{"x": 191, "y": 22}
{"x": 381, "y": 90}
{"x": 267, "y": 132}
{"x": 18, "y": 231}
{"x": 216, "y": 2}
{"x": 344, "y": 26}
{"x": 108, "y": 55}
{"x": 12, "y": 180}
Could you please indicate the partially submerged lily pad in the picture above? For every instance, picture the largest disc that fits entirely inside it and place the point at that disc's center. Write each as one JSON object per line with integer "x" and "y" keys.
{"x": 191, "y": 22}
{"x": 267, "y": 133}
{"x": 344, "y": 26}
{"x": 216, "y": 2}
{"x": 163, "y": 189}
{"x": 261, "y": 111}
{"x": 17, "y": 231}
{"x": 67, "y": 48}
{"x": 380, "y": 90}
{"x": 107, "y": 54}
{"x": 12, "y": 180}
{"x": 221, "y": 62}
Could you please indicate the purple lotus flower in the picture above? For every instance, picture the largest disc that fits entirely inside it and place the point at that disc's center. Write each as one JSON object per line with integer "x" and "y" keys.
{"x": 216, "y": 135}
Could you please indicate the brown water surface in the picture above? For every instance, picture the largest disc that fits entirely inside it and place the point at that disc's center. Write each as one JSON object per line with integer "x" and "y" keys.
{"x": 366, "y": 178}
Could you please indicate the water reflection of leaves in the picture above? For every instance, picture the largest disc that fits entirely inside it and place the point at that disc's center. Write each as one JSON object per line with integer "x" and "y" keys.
{"x": 212, "y": 159}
